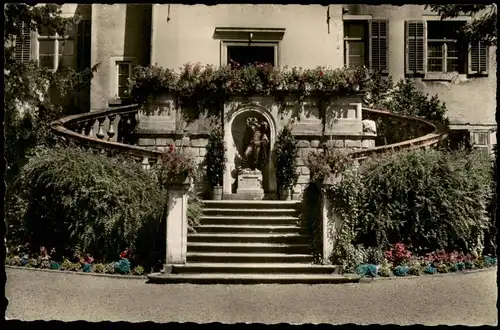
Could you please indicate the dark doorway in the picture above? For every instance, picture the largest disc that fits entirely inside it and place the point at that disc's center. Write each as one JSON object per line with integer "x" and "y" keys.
{"x": 246, "y": 55}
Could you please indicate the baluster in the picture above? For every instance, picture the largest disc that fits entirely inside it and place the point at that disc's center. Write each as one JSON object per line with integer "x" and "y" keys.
{"x": 111, "y": 130}
{"x": 78, "y": 127}
{"x": 145, "y": 163}
{"x": 89, "y": 128}
{"x": 100, "y": 133}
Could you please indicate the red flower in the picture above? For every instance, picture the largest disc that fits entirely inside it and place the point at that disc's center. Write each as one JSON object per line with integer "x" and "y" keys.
{"x": 171, "y": 148}
{"x": 321, "y": 74}
{"x": 124, "y": 254}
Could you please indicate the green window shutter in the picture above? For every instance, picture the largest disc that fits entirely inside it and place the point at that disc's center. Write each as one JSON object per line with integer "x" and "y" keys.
{"x": 379, "y": 45}
{"x": 415, "y": 46}
{"x": 478, "y": 58}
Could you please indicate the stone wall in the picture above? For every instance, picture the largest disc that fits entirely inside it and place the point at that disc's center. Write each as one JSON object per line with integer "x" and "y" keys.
{"x": 343, "y": 128}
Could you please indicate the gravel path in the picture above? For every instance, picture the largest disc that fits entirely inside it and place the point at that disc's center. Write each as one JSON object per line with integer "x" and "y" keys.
{"x": 459, "y": 299}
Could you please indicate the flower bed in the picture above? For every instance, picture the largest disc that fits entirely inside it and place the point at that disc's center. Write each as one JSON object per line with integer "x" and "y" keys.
{"x": 398, "y": 261}
{"x": 78, "y": 263}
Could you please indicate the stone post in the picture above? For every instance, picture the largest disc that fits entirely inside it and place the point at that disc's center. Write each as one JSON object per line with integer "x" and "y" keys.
{"x": 177, "y": 226}
{"x": 331, "y": 221}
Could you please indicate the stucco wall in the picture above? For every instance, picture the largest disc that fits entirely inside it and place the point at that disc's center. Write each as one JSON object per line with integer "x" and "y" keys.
{"x": 184, "y": 33}
{"x": 469, "y": 101}
{"x": 119, "y": 30}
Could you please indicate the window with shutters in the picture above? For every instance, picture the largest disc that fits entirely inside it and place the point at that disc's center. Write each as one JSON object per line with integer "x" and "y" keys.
{"x": 55, "y": 52}
{"x": 365, "y": 44}
{"x": 434, "y": 50}
{"x": 123, "y": 73}
{"x": 22, "y": 50}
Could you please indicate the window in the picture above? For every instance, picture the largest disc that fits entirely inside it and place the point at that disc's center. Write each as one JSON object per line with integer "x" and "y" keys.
{"x": 83, "y": 45}
{"x": 22, "y": 49}
{"x": 444, "y": 52}
{"x": 480, "y": 138}
{"x": 55, "y": 52}
{"x": 433, "y": 47}
{"x": 365, "y": 44}
{"x": 123, "y": 73}
{"x": 245, "y": 55}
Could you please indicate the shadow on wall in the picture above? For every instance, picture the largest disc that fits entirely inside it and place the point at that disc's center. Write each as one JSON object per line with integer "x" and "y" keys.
{"x": 137, "y": 37}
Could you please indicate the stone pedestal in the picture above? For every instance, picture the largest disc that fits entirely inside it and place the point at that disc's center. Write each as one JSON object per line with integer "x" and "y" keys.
{"x": 250, "y": 184}
{"x": 331, "y": 221}
{"x": 177, "y": 226}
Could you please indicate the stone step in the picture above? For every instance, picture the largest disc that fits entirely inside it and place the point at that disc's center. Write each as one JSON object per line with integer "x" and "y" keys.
{"x": 251, "y": 204}
{"x": 250, "y": 211}
{"x": 251, "y": 278}
{"x": 250, "y": 238}
{"x": 247, "y": 257}
{"x": 248, "y": 248}
{"x": 248, "y": 220}
{"x": 269, "y": 229}
{"x": 261, "y": 268}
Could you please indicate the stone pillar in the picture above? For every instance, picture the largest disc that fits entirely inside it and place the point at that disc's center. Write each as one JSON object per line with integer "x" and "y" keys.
{"x": 331, "y": 221}
{"x": 177, "y": 226}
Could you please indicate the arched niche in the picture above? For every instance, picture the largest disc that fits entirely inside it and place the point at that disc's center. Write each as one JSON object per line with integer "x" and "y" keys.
{"x": 234, "y": 127}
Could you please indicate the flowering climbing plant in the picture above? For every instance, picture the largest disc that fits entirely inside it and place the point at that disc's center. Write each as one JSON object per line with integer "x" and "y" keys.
{"x": 207, "y": 83}
{"x": 176, "y": 166}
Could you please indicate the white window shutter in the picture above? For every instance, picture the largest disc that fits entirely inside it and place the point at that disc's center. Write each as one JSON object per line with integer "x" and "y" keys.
{"x": 379, "y": 45}
{"x": 22, "y": 50}
{"x": 415, "y": 47}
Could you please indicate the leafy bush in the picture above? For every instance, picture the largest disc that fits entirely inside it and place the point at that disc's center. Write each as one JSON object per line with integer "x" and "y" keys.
{"x": 287, "y": 152}
{"x": 415, "y": 270}
{"x": 403, "y": 98}
{"x": 110, "y": 268}
{"x": 429, "y": 200}
{"x": 33, "y": 262}
{"x": 215, "y": 158}
{"x": 138, "y": 270}
{"x": 177, "y": 165}
{"x": 324, "y": 163}
{"x": 384, "y": 271}
{"x": 74, "y": 197}
{"x": 87, "y": 268}
{"x": 122, "y": 266}
{"x": 99, "y": 268}
{"x": 367, "y": 270}
{"x": 398, "y": 254}
{"x": 401, "y": 270}
{"x": 55, "y": 265}
{"x": 68, "y": 265}
{"x": 429, "y": 269}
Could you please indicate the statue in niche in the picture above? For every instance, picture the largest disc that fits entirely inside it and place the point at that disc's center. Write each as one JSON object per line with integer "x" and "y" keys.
{"x": 256, "y": 144}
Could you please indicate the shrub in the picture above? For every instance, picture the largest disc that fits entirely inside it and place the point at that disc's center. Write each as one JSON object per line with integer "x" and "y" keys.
{"x": 110, "y": 268}
{"x": 479, "y": 263}
{"x": 45, "y": 264}
{"x": 177, "y": 165}
{"x": 324, "y": 163}
{"x": 287, "y": 152}
{"x": 138, "y": 270}
{"x": 55, "y": 265}
{"x": 33, "y": 262}
{"x": 398, "y": 254}
{"x": 490, "y": 261}
{"x": 215, "y": 158}
{"x": 442, "y": 268}
{"x": 401, "y": 270}
{"x": 67, "y": 265}
{"x": 87, "y": 268}
{"x": 374, "y": 255}
{"x": 469, "y": 264}
{"x": 384, "y": 271}
{"x": 122, "y": 266}
{"x": 367, "y": 270}
{"x": 415, "y": 270}
{"x": 99, "y": 268}
{"x": 75, "y": 197}
{"x": 430, "y": 200}
{"x": 429, "y": 269}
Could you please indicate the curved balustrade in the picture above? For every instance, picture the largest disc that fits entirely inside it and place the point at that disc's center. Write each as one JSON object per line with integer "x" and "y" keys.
{"x": 110, "y": 130}
{"x": 410, "y": 126}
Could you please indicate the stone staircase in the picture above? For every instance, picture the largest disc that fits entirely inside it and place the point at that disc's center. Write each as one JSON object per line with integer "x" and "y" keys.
{"x": 249, "y": 242}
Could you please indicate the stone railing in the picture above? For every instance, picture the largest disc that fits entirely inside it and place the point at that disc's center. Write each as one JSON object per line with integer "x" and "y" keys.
{"x": 409, "y": 132}
{"x": 108, "y": 130}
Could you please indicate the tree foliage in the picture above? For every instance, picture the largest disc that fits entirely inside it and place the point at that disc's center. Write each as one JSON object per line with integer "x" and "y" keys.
{"x": 483, "y": 26}
{"x": 33, "y": 96}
